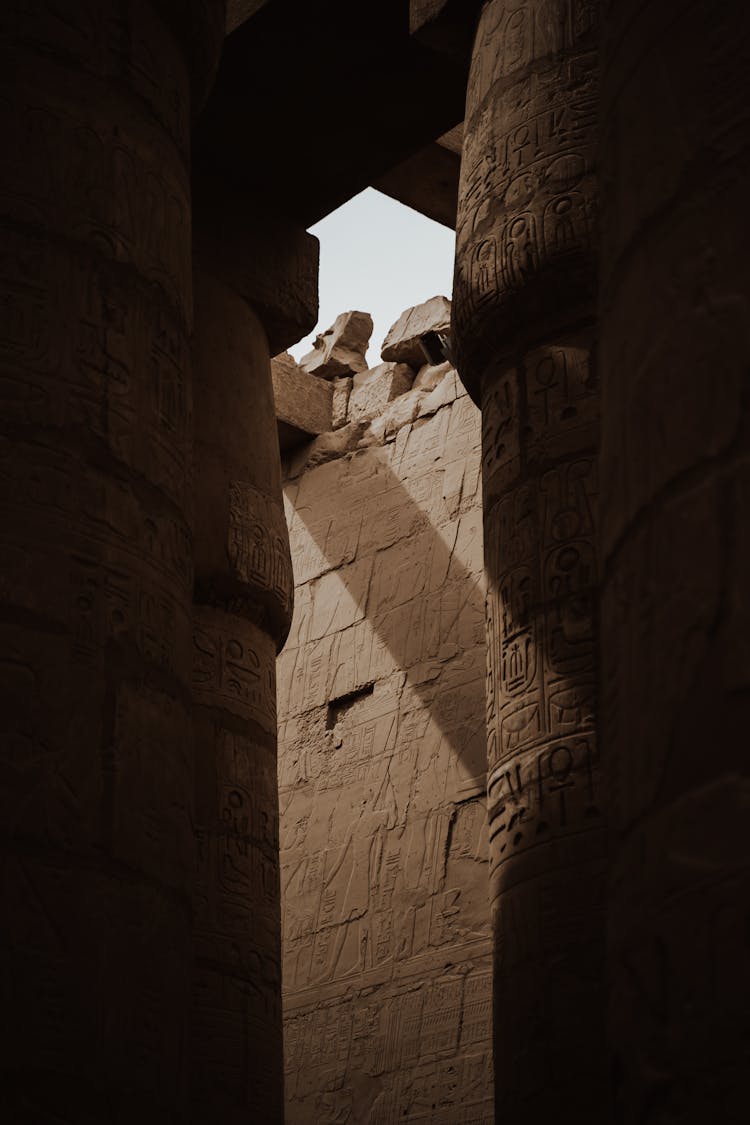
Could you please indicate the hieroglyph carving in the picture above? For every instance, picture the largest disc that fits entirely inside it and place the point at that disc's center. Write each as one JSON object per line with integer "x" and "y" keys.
{"x": 539, "y": 543}
{"x": 258, "y": 544}
{"x": 527, "y": 194}
{"x": 234, "y": 667}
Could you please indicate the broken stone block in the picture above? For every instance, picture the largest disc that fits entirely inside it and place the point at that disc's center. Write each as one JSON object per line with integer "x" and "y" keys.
{"x": 443, "y": 394}
{"x": 340, "y": 350}
{"x": 402, "y": 411}
{"x": 374, "y": 434}
{"x": 303, "y": 402}
{"x": 430, "y": 375}
{"x": 372, "y": 390}
{"x": 412, "y": 338}
{"x": 326, "y": 447}
{"x": 341, "y": 390}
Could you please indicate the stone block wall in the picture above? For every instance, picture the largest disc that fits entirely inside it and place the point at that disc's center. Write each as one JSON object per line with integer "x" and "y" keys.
{"x": 382, "y": 755}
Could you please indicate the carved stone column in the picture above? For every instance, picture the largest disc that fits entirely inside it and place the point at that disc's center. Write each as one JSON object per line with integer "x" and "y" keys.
{"x": 243, "y": 605}
{"x": 675, "y": 545}
{"x": 524, "y": 326}
{"x": 95, "y": 554}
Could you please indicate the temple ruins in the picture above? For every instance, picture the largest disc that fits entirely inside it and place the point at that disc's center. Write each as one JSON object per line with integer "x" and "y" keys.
{"x": 373, "y": 737}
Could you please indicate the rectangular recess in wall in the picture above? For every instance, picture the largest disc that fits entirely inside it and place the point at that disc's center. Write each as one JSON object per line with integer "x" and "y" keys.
{"x": 337, "y": 708}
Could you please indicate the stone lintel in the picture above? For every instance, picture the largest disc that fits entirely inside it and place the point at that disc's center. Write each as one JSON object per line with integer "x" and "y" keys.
{"x": 426, "y": 181}
{"x": 290, "y": 67}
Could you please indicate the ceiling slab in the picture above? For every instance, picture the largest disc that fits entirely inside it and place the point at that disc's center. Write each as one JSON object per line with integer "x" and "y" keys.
{"x": 315, "y": 102}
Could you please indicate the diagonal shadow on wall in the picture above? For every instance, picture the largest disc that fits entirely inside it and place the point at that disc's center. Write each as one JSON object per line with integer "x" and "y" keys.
{"x": 404, "y": 556}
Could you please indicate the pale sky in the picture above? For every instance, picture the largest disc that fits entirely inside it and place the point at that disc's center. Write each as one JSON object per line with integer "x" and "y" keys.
{"x": 381, "y": 257}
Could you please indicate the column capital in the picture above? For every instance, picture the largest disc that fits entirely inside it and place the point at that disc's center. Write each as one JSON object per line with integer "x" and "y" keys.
{"x": 269, "y": 260}
{"x": 527, "y": 227}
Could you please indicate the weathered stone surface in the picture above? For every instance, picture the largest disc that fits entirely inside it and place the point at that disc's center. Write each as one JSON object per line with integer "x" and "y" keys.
{"x": 372, "y": 390}
{"x": 401, "y": 411}
{"x": 383, "y": 828}
{"x": 342, "y": 388}
{"x": 402, "y": 343}
{"x": 526, "y": 235}
{"x": 326, "y": 447}
{"x": 304, "y": 403}
{"x": 443, "y": 393}
{"x": 453, "y": 140}
{"x": 341, "y": 349}
{"x": 524, "y": 287}
{"x": 429, "y": 375}
{"x": 373, "y": 434}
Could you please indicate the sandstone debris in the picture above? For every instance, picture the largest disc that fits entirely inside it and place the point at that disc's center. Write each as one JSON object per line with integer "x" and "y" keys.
{"x": 340, "y": 350}
{"x": 403, "y": 344}
{"x": 372, "y": 390}
{"x": 342, "y": 388}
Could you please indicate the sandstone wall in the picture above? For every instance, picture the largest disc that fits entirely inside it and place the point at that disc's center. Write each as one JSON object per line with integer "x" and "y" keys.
{"x": 381, "y": 767}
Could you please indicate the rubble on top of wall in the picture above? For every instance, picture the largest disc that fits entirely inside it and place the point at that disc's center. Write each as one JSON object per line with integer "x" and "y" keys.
{"x": 342, "y": 389}
{"x": 341, "y": 349}
{"x": 382, "y": 761}
{"x": 326, "y": 447}
{"x": 373, "y": 390}
{"x": 370, "y": 407}
{"x": 430, "y": 374}
{"x": 410, "y": 339}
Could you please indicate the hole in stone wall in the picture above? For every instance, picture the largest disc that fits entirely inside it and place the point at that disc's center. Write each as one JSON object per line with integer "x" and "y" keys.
{"x": 435, "y": 350}
{"x": 337, "y": 708}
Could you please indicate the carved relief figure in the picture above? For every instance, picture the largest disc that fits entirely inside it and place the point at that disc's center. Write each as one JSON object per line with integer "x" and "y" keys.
{"x": 520, "y": 250}
{"x": 360, "y": 860}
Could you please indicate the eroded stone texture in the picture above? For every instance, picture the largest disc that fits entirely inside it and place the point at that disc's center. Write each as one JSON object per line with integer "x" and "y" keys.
{"x": 303, "y": 402}
{"x": 96, "y": 582}
{"x": 403, "y": 342}
{"x": 525, "y": 280}
{"x": 243, "y": 603}
{"x": 342, "y": 388}
{"x": 525, "y": 246}
{"x": 675, "y": 610}
{"x": 374, "y": 389}
{"x": 340, "y": 350}
{"x": 381, "y": 769}
{"x": 429, "y": 375}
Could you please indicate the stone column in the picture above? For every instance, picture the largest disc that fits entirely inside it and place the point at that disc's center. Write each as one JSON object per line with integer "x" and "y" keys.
{"x": 95, "y": 554}
{"x": 524, "y": 329}
{"x": 675, "y": 545}
{"x": 255, "y": 294}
